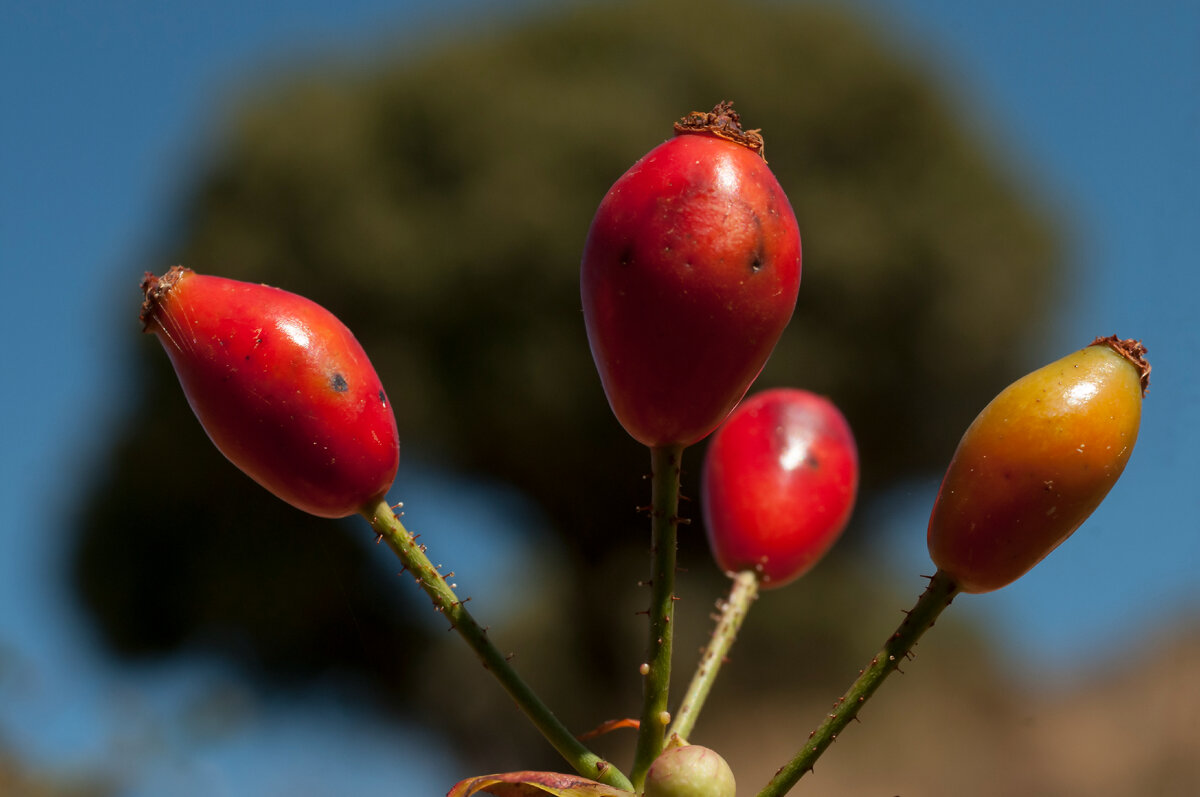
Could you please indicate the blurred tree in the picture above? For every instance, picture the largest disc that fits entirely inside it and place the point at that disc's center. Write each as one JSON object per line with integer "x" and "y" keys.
{"x": 437, "y": 202}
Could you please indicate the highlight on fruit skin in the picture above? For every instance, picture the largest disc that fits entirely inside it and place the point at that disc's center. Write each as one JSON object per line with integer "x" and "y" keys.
{"x": 778, "y": 485}
{"x": 281, "y": 387}
{"x": 690, "y": 771}
{"x": 1036, "y": 462}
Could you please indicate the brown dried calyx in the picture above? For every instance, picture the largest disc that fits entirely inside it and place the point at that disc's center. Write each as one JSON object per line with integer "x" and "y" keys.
{"x": 721, "y": 122}
{"x": 1131, "y": 350}
{"x": 154, "y": 289}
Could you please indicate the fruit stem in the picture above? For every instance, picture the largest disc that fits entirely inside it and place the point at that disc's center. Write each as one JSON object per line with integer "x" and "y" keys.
{"x": 664, "y": 523}
{"x": 385, "y": 523}
{"x": 742, "y": 595}
{"x": 920, "y": 618}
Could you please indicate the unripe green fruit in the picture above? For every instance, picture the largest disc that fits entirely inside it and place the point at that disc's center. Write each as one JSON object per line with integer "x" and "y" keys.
{"x": 690, "y": 771}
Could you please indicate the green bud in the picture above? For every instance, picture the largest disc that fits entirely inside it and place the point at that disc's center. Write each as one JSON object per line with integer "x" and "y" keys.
{"x": 690, "y": 771}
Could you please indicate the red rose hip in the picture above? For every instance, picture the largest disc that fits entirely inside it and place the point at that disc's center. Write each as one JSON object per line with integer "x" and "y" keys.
{"x": 689, "y": 276}
{"x": 281, "y": 386}
{"x": 779, "y": 483}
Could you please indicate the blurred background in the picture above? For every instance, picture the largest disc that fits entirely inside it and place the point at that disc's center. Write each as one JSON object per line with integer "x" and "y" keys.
{"x": 981, "y": 189}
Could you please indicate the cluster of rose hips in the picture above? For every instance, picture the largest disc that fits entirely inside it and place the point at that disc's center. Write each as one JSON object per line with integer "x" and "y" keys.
{"x": 689, "y": 276}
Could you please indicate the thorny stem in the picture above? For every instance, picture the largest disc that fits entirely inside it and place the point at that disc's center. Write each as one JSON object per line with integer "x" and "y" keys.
{"x": 937, "y": 596}
{"x": 664, "y": 521}
{"x": 413, "y": 557}
{"x": 733, "y": 611}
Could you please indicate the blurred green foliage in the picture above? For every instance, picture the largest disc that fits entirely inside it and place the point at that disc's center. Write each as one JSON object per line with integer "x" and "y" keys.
{"x": 437, "y": 201}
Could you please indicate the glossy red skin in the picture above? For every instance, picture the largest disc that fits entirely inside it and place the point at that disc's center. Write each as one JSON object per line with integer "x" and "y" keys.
{"x": 689, "y": 276}
{"x": 779, "y": 483}
{"x": 283, "y": 389}
{"x": 1034, "y": 464}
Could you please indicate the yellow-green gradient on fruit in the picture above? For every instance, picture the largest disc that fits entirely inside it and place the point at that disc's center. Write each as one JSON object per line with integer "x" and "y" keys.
{"x": 1036, "y": 462}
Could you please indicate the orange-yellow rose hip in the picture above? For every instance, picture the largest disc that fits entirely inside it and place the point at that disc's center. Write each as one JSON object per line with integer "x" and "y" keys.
{"x": 1036, "y": 463}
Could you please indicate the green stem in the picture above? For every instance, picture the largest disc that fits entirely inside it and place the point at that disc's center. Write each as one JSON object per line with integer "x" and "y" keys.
{"x": 664, "y": 521}
{"x": 413, "y": 557}
{"x": 733, "y": 611}
{"x": 937, "y": 596}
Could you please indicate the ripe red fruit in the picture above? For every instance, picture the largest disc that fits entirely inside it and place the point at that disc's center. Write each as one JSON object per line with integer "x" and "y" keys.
{"x": 689, "y": 276}
{"x": 1036, "y": 462}
{"x": 779, "y": 483}
{"x": 281, "y": 386}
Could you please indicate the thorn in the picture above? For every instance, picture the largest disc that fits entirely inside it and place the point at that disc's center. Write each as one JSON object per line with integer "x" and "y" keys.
{"x": 378, "y": 538}
{"x": 509, "y": 657}
{"x": 397, "y": 505}
{"x": 643, "y": 611}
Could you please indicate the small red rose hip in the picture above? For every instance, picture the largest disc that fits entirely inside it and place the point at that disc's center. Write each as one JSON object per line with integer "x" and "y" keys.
{"x": 779, "y": 483}
{"x": 281, "y": 386}
{"x": 689, "y": 276}
{"x": 1036, "y": 462}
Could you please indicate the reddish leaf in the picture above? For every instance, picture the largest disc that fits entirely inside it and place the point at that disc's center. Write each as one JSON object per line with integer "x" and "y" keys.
{"x": 608, "y": 727}
{"x": 535, "y": 784}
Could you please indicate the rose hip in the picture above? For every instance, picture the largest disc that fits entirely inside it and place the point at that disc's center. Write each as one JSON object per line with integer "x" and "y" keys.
{"x": 281, "y": 386}
{"x": 689, "y": 276}
{"x": 1036, "y": 462}
{"x": 779, "y": 482}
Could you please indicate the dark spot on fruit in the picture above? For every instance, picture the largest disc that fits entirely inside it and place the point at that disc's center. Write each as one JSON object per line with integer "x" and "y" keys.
{"x": 627, "y": 256}
{"x": 339, "y": 384}
{"x": 756, "y": 262}
{"x": 382, "y": 398}
{"x": 812, "y": 462}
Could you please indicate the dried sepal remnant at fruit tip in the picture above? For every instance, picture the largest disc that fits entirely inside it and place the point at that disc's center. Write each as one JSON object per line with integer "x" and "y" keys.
{"x": 153, "y": 290}
{"x": 1132, "y": 350}
{"x": 281, "y": 387}
{"x": 722, "y": 122}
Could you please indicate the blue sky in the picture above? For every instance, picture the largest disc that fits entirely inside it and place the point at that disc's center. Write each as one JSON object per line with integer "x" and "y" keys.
{"x": 1096, "y": 107}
